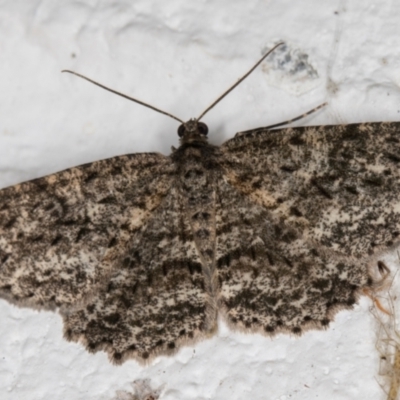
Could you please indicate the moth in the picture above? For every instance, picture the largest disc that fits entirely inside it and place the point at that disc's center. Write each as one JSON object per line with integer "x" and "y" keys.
{"x": 276, "y": 231}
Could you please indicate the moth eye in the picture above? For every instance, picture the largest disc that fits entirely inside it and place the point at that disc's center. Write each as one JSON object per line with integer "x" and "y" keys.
{"x": 203, "y": 128}
{"x": 181, "y": 130}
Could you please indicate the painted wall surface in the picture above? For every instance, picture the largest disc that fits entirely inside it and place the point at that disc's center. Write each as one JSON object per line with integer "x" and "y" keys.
{"x": 179, "y": 56}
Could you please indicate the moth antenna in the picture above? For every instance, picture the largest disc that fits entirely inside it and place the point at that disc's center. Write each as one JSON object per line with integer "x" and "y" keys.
{"x": 263, "y": 128}
{"x": 123, "y": 95}
{"x": 238, "y": 82}
{"x": 289, "y": 121}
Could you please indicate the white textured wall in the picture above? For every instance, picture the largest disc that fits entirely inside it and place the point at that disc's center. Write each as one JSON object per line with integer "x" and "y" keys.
{"x": 180, "y": 55}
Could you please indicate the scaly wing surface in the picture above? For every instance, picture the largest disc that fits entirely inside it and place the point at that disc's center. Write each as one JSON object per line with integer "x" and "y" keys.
{"x": 61, "y": 235}
{"x": 304, "y": 214}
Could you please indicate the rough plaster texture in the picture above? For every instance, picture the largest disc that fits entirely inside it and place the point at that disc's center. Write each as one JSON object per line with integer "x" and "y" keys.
{"x": 180, "y": 56}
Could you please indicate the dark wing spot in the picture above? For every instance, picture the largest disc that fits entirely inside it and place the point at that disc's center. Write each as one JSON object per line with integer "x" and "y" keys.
{"x": 56, "y": 240}
{"x": 10, "y": 223}
{"x": 393, "y": 157}
{"x": 321, "y": 189}
{"x": 4, "y": 258}
{"x": 224, "y": 261}
{"x": 49, "y": 206}
{"x": 375, "y": 181}
{"x": 269, "y": 328}
{"x": 112, "y": 319}
{"x": 288, "y": 168}
{"x": 112, "y": 242}
{"x": 193, "y": 267}
{"x": 295, "y": 211}
{"x": 36, "y": 238}
{"x": 297, "y": 140}
{"x": 108, "y": 200}
{"x": 81, "y": 233}
{"x": 90, "y": 177}
{"x": 351, "y": 189}
{"x": 383, "y": 269}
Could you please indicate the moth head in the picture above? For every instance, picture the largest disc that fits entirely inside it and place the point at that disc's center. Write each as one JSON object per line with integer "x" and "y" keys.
{"x": 192, "y": 131}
